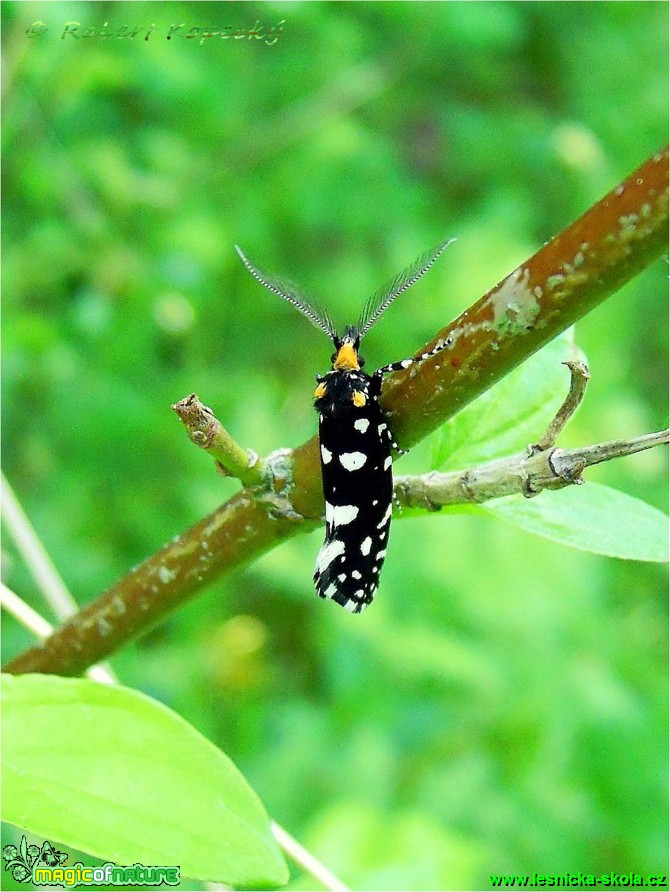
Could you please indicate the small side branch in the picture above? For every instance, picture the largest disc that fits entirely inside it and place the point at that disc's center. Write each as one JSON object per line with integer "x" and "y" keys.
{"x": 564, "y": 461}
{"x": 579, "y": 377}
{"x": 207, "y": 432}
{"x": 542, "y": 466}
{"x": 523, "y": 473}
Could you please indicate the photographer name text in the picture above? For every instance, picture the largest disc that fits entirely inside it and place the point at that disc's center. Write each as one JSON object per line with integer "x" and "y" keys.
{"x": 76, "y": 31}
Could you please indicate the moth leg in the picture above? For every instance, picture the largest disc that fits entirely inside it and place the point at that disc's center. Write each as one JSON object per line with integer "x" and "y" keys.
{"x": 376, "y": 387}
{"x": 406, "y": 363}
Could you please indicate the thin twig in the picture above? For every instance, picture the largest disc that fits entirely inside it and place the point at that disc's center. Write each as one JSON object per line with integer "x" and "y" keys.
{"x": 24, "y": 613}
{"x": 207, "y": 432}
{"x": 46, "y": 576}
{"x": 562, "y": 460}
{"x": 35, "y": 555}
{"x": 306, "y": 860}
{"x": 579, "y": 377}
{"x": 516, "y": 474}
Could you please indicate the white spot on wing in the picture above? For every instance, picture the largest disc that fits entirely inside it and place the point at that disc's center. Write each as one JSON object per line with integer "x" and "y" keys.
{"x": 344, "y": 514}
{"x": 362, "y": 425}
{"x": 352, "y": 461}
{"x": 366, "y": 544}
{"x": 329, "y": 551}
{"x": 326, "y": 455}
{"x": 387, "y": 462}
{"x": 355, "y": 574}
{"x": 340, "y": 515}
{"x": 385, "y": 518}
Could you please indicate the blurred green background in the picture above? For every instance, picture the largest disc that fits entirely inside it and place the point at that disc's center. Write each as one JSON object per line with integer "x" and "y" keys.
{"x": 503, "y": 705}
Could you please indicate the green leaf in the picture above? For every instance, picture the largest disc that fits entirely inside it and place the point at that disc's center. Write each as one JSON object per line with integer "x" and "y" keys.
{"x": 513, "y": 413}
{"x": 111, "y": 772}
{"x": 590, "y": 517}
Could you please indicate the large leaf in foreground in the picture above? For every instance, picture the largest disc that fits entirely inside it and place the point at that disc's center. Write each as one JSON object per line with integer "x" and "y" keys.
{"x": 109, "y": 771}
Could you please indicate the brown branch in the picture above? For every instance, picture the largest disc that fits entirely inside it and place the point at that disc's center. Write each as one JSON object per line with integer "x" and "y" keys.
{"x": 566, "y": 278}
{"x": 237, "y": 533}
{"x": 587, "y": 262}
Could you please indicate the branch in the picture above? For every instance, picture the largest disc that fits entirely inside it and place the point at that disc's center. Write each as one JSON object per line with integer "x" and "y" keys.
{"x": 32, "y": 620}
{"x": 566, "y": 278}
{"x": 542, "y": 466}
{"x": 587, "y": 262}
{"x": 579, "y": 377}
{"x": 209, "y": 434}
{"x": 527, "y": 474}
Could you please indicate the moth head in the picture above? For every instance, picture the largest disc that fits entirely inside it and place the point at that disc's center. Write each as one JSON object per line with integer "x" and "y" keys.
{"x": 346, "y": 357}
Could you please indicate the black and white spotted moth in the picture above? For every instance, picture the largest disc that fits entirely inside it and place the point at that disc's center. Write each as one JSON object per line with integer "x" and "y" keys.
{"x": 355, "y": 442}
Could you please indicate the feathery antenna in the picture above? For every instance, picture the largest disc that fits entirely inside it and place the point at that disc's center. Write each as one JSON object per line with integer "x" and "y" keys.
{"x": 310, "y": 308}
{"x": 381, "y": 300}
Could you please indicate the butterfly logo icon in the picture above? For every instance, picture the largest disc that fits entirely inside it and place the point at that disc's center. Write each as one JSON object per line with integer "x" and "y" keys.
{"x": 50, "y": 856}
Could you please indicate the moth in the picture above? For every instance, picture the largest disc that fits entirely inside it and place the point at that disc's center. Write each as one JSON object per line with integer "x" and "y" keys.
{"x": 355, "y": 440}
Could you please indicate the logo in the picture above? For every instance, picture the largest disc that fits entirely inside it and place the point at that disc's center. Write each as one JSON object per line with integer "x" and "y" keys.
{"x": 42, "y": 867}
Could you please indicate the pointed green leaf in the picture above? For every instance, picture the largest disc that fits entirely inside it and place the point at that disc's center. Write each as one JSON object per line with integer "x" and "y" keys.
{"x": 590, "y": 517}
{"x": 109, "y": 771}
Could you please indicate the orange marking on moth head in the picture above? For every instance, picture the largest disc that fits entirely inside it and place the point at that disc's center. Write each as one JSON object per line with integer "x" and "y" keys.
{"x": 347, "y": 358}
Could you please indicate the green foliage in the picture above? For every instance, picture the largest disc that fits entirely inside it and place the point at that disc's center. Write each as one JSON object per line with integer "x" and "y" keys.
{"x": 505, "y": 697}
{"x": 115, "y": 774}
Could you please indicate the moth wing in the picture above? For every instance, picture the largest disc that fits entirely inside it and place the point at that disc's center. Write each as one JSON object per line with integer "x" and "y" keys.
{"x": 358, "y": 490}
